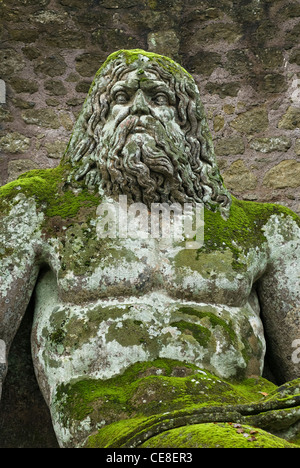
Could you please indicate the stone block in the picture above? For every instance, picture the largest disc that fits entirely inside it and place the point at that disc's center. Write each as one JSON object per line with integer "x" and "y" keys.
{"x": 252, "y": 121}
{"x": 225, "y": 89}
{"x": 11, "y": 62}
{"x": 55, "y": 149}
{"x": 239, "y": 178}
{"x": 87, "y": 64}
{"x": 22, "y": 85}
{"x": 283, "y": 175}
{"x": 268, "y": 145}
{"x": 291, "y": 119}
{"x": 55, "y": 87}
{"x": 53, "y": 65}
{"x": 14, "y": 143}
{"x": 42, "y": 117}
{"x": 164, "y": 42}
{"x": 229, "y": 145}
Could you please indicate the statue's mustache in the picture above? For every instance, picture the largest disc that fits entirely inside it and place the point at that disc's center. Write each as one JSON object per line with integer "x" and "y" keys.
{"x": 128, "y": 122}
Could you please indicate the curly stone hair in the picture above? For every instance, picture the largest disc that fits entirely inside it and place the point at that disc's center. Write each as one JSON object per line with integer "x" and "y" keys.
{"x": 198, "y": 173}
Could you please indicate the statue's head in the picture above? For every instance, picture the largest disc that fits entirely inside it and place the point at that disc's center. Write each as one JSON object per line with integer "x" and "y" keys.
{"x": 143, "y": 133}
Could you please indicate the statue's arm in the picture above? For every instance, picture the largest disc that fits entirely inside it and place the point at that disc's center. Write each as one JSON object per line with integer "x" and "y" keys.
{"x": 19, "y": 267}
{"x": 279, "y": 294}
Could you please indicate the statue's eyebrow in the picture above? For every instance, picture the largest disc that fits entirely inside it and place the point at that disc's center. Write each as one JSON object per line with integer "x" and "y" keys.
{"x": 156, "y": 86}
{"x": 146, "y": 85}
{"x": 124, "y": 85}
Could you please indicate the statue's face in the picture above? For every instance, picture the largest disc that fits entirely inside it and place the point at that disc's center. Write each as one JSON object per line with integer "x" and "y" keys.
{"x": 145, "y": 97}
{"x": 141, "y": 144}
{"x": 143, "y": 134}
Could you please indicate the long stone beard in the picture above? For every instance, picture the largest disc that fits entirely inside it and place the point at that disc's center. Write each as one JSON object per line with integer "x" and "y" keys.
{"x": 145, "y": 163}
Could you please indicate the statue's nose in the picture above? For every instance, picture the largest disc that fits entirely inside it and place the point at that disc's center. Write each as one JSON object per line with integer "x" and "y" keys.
{"x": 140, "y": 106}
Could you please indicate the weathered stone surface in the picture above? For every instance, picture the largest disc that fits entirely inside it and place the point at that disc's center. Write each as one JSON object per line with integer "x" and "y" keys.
{"x": 35, "y": 3}
{"x": 41, "y": 117}
{"x": 52, "y": 102}
{"x": 267, "y": 145}
{"x": 238, "y": 62}
{"x": 5, "y": 115}
{"x": 83, "y": 86}
{"x": 11, "y": 62}
{"x": 19, "y": 166}
{"x": 55, "y": 87}
{"x": 87, "y": 64}
{"x": 164, "y": 42}
{"x": 53, "y": 65}
{"x": 23, "y": 103}
{"x": 271, "y": 57}
{"x": 218, "y": 123}
{"x": 292, "y": 36}
{"x": 14, "y": 143}
{"x": 239, "y": 178}
{"x": 112, "y": 39}
{"x": 272, "y": 83}
{"x": 75, "y": 101}
{"x": 291, "y": 119}
{"x": 266, "y": 31}
{"x": 49, "y": 16}
{"x": 229, "y": 145}
{"x": 211, "y": 34}
{"x": 24, "y": 86}
{"x": 224, "y": 89}
{"x": 31, "y": 52}
{"x": 22, "y": 35}
{"x": 75, "y": 3}
{"x": 66, "y": 120}
{"x": 68, "y": 39}
{"x": 252, "y": 121}
{"x": 56, "y": 149}
{"x": 297, "y": 147}
{"x": 285, "y": 174}
{"x": 204, "y": 62}
{"x": 295, "y": 57}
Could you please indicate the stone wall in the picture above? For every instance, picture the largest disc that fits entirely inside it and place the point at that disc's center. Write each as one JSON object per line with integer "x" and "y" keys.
{"x": 244, "y": 54}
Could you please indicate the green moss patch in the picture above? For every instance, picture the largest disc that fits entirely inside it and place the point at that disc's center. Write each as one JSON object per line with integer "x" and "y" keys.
{"x": 147, "y": 395}
{"x": 200, "y": 334}
{"x": 216, "y": 435}
{"x": 48, "y": 188}
{"x": 243, "y": 228}
{"x": 134, "y": 54}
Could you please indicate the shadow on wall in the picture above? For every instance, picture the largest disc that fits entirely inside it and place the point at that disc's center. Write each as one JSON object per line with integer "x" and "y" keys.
{"x": 24, "y": 416}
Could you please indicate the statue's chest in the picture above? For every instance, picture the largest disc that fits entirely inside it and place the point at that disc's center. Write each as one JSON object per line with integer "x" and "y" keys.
{"x": 134, "y": 268}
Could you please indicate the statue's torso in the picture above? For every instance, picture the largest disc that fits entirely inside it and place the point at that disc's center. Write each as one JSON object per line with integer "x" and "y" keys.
{"x": 144, "y": 300}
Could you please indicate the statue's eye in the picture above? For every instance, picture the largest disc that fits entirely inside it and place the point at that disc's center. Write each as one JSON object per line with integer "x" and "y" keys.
{"x": 161, "y": 99}
{"x": 121, "y": 98}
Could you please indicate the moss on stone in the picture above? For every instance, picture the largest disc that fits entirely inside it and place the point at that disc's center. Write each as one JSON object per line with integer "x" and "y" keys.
{"x": 133, "y": 332}
{"x": 205, "y": 312}
{"x": 216, "y": 435}
{"x": 200, "y": 334}
{"x": 242, "y": 230}
{"x": 47, "y": 187}
{"x": 134, "y": 54}
{"x": 151, "y": 395}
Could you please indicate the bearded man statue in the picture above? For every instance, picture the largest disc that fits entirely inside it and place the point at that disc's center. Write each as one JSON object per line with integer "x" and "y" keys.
{"x": 143, "y": 133}
{"x": 139, "y": 341}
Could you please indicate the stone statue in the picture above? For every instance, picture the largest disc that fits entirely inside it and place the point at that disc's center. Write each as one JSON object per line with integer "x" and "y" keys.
{"x": 139, "y": 340}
